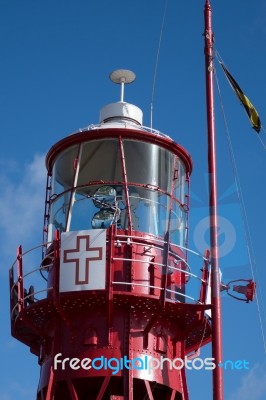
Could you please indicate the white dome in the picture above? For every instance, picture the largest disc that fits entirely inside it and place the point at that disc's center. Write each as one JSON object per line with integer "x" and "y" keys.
{"x": 121, "y": 111}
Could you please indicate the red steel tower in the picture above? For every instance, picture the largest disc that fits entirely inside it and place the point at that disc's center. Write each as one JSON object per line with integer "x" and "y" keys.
{"x": 114, "y": 308}
{"x": 119, "y": 306}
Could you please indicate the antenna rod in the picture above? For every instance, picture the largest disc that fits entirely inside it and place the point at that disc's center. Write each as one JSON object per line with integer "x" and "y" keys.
{"x": 122, "y": 76}
{"x": 122, "y": 90}
{"x": 215, "y": 271}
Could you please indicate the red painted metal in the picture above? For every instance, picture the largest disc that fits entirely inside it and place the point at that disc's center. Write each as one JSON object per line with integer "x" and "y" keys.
{"x": 205, "y": 276}
{"x": 134, "y": 134}
{"x": 215, "y": 273}
{"x": 148, "y": 387}
{"x": 122, "y": 155}
{"x": 72, "y": 194}
{"x": 87, "y": 312}
{"x": 46, "y": 210}
{"x": 143, "y": 312}
{"x": 20, "y": 288}
{"x": 134, "y": 316}
{"x": 103, "y": 387}
{"x": 248, "y": 290}
{"x": 51, "y": 385}
{"x": 72, "y": 390}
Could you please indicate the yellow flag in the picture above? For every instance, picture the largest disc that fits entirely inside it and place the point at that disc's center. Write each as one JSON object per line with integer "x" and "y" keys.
{"x": 250, "y": 109}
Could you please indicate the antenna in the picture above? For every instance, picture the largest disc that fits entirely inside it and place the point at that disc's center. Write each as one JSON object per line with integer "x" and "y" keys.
{"x": 122, "y": 76}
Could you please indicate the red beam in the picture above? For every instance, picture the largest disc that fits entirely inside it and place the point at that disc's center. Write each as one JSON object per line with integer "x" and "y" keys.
{"x": 20, "y": 280}
{"x": 215, "y": 273}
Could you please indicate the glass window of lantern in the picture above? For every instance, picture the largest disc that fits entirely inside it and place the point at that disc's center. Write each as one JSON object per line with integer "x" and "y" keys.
{"x": 100, "y": 161}
{"x": 149, "y": 210}
{"x": 180, "y": 182}
{"x": 149, "y": 164}
{"x": 62, "y": 180}
{"x": 97, "y": 206}
{"x": 64, "y": 170}
{"x": 178, "y": 221}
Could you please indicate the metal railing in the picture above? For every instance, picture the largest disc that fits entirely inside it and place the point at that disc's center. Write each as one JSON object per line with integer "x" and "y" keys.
{"x": 125, "y": 124}
{"x": 29, "y": 284}
{"x": 29, "y": 277}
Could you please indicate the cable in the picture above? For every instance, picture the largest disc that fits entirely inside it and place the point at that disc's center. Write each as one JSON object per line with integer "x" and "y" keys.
{"x": 247, "y": 233}
{"x": 157, "y": 59}
{"x": 221, "y": 62}
{"x": 260, "y": 139}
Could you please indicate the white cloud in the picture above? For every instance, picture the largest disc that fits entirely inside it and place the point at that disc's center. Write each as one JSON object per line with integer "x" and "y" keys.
{"x": 21, "y": 203}
{"x": 16, "y": 390}
{"x": 253, "y": 385}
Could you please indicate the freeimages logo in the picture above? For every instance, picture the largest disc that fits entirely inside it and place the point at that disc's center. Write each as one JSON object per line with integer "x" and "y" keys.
{"x": 146, "y": 363}
{"x": 231, "y": 236}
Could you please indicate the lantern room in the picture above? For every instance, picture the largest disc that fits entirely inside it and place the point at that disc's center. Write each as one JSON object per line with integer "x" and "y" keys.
{"x": 110, "y": 175}
{"x": 119, "y": 173}
{"x": 114, "y": 280}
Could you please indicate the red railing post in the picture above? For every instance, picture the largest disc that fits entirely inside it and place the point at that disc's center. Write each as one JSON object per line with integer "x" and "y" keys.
{"x": 20, "y": 280}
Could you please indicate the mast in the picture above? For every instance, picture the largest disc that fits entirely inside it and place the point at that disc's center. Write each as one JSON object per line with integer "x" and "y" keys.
{"x": 215, "y": 273}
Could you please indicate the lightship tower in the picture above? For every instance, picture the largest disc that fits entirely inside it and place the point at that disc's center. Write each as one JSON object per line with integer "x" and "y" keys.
{"x": 115, "y": 309}
{"x": 114, "y": 274}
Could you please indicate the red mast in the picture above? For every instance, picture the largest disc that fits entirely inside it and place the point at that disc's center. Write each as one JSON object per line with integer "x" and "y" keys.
{"x": 215, "y": 273}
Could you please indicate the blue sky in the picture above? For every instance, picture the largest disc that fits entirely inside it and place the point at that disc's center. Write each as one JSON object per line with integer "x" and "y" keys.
{"x": 55, "y": 60}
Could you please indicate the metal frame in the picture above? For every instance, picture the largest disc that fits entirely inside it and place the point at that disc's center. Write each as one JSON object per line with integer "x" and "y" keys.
{"x": 213, "y": 213}
{"x": 115, "y": 239}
